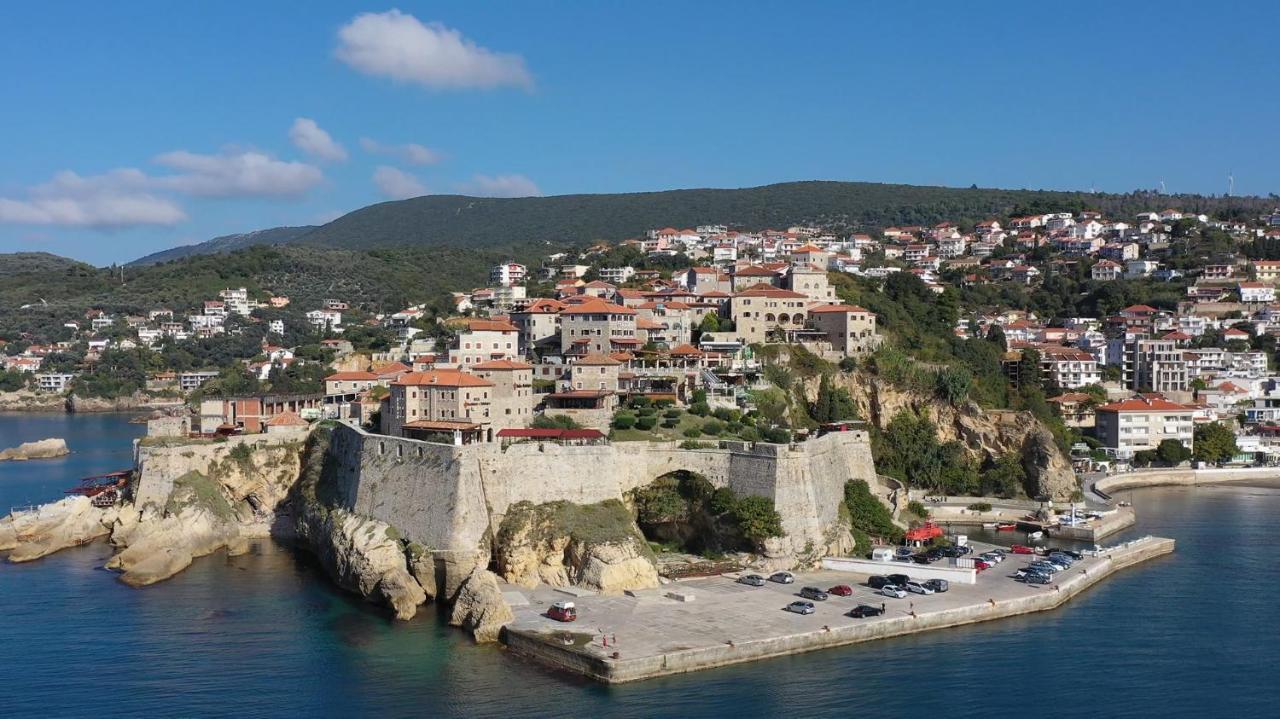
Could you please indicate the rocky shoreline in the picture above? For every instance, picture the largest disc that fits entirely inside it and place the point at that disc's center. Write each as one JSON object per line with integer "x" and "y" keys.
{"x": 46, "y": 402}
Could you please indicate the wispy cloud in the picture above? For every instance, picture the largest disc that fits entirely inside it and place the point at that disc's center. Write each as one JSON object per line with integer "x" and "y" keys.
{"x": 114, "y": 200}
{"x": 397, "y": 184}
{"x": 236, "y": 174}
{"x": 409, "y": 153}
{"x": 399, "y": 46}
{"x": 500, "y": 186}
{"x": 309, "y": 137}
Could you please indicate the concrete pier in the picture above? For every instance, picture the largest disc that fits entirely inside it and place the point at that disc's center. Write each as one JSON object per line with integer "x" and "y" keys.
{"x": 631, "y": 638}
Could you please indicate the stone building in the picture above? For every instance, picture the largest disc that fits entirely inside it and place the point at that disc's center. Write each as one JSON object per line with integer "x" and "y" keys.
{"x": 761, "y": 309}
{"x": 439, "y": 404}
{"x": 484, "y": 340}
{"x": 850, "y": 329}
{"x": 596, "y": 326}
{"x": 511, "y": 402}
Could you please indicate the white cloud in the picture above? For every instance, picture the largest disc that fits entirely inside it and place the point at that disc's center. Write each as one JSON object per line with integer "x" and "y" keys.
{"x": 114, "y": 200}
{"x": 409, "y": 153}
{"x": 398, "y": 184}
{"x": 500, "y": 186}
{"x": 397, "y": 45}
{"x": 309, "y": 137}
{"x": 236, "y": 174}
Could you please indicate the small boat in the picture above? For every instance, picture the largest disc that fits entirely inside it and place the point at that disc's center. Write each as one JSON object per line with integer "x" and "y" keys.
{"x": 1006, "y": 526}
{"x": 1036, "y": 535}
{"x": 988, "y": 525}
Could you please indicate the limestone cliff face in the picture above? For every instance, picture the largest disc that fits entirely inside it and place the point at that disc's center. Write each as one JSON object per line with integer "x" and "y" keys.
{"x": 987, "y": 433}
{"x": 596, "y": 547}
{"x": 364, "y": 556}
{"x": 40, "y": 449}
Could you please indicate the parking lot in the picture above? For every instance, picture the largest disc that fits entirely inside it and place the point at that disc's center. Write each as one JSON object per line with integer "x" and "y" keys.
{"x": 720, "y": 611}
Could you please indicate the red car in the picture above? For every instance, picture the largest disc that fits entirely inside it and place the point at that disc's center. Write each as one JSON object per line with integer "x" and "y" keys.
{"x": 563, "y": 612}
{"x": 841, "y": 590}
{"x": 981, "y": 564}
{"x": 1021, "y": 549}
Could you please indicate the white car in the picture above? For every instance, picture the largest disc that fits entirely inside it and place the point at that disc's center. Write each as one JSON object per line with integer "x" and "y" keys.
{"x": 892, "y": 590}
{"x": 993, "y": 557}
{"x": 801, "y": 607}
{"x": 783, "y": 578}
{"x": 918, "y": 588}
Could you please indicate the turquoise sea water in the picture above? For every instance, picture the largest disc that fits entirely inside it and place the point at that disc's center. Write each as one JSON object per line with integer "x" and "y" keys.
{"x": 266, "y": 635}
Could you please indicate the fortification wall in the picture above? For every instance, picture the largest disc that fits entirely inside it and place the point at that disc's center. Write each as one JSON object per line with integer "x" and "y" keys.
{"x": 160, "y": 463}
{"x": 449, "y": 498}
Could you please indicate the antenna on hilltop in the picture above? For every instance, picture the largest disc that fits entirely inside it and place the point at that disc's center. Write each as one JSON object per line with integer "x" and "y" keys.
{"x": 1231, "y": 183}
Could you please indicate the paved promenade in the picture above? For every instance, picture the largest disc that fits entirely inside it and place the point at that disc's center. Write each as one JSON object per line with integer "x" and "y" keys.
{"x": 725, "y": 623}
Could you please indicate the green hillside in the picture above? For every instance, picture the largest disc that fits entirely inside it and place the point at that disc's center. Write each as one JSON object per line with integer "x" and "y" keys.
{"x": 492, "y": 222}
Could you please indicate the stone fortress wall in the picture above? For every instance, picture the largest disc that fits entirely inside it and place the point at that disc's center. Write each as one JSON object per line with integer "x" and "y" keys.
{"x": 448, "y": 498}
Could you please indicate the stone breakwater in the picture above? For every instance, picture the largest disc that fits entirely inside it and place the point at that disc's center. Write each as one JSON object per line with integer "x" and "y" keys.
{"x": 660, "y": 652}
{"x": 39, "y": 449}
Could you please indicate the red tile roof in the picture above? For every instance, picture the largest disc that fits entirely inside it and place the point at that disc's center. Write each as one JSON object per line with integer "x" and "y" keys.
{"x": 828, "y": 309}
{"x": 442, "y": 378}
{"x": 502, "y": 364}
{"x": 1143, "y": 404}
{"x": 351, "y": 377}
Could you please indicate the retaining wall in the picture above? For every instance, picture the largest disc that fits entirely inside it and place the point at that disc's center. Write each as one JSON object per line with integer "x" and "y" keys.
{"x": 1182, "y": 477}
{"x": 447, "y": 497}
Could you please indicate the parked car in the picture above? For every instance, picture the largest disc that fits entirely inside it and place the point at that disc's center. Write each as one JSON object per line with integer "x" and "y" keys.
{"x": 903, "y": 554}
{"x": 1069, "y": 552}
{"x": 991, "y": 557}
{"x": 1059, "y": 556}
{"x": 950, "y": 551}
{"x": 1059, "y": 561}
{"x": 841, "y": 590}
{"x": 1022, "y": 573}
{"x": 862, "y": 611}
{"x": 1021, "y": 549}
{"x": 921, "y": 559}
{"x": 938, "y": 585}
{"x": 998, "y": 551}
{"x": 751, "y": 580}
{"x": 899, "y": 579}
{"x": 801, "y": 607}
{"x": 813, "y": 593}
{"x": 917, "y": 588}
{"x": 877, "y": 581}
{"x": 934, "y": 554}
{"x": 783, "y": 578}
{"x": 892, "y": 590}
{"x": 1035, "y": 578}
{"x": 562, "y": 612}
{"x": 1046, "y": 567}
{"x": 981, "y": 564}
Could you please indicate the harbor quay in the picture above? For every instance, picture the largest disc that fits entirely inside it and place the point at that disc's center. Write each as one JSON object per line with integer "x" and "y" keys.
{"x": 715, "y": 621}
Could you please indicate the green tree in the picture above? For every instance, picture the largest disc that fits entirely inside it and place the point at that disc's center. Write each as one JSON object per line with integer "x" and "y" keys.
{"x": 1172, "y": 452}
{"x": 1214, "y": 442}
{"x": 1005, "y": 478}
{"x": 757, "y": 519}
{"x": 710, "y": 323}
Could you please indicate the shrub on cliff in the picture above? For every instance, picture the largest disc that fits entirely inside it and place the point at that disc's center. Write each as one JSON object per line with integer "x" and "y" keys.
{"x": 624, "y": 420}
{"x": 646, "y": 423}
{"x": 757, "y": 519}
{"x": 555, "y": 421}
{"x": 868, "y": 516}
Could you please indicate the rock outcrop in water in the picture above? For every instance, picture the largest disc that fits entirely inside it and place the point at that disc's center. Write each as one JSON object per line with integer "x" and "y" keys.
{"x": 40, "y": 449}
{"x": 364, "y": 556}
{"x": 69, "y": 522}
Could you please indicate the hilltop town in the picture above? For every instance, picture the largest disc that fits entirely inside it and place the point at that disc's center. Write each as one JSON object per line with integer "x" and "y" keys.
{"x": 1140, "y": 333}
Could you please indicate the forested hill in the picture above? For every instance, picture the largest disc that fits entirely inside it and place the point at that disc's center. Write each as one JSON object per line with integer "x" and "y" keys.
{"x": 227, "y": 243}
{"x": 472, "y": 222}
{"x": 506, "y": 223}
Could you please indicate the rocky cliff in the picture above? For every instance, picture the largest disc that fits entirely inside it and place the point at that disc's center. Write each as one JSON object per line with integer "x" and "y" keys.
{"x": 40, "y": 449}
{"x": 596, "y": 547}
{"x": 987, "y": 433}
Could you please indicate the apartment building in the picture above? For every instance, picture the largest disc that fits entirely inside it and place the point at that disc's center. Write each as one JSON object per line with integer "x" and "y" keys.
{"x": 1142, "y": 423}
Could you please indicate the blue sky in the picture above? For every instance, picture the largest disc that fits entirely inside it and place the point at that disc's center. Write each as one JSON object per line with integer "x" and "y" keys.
{"x": 183, "y": 121}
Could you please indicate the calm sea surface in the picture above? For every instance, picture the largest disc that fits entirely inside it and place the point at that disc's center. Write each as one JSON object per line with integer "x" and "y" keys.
{"x": 265, "y": 634}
